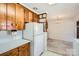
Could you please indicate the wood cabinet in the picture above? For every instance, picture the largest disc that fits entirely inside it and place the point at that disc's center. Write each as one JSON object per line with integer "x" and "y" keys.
{"x": 13, "y": 52}
{"x": 43, "y": 19}
{"x": 11, "y": 19}
{"x": 26, "y": 15}
{"x": 46, "y": 25}
{"x": 2, "y": 16}
{"x": 30, "y": 16}
{"x": 13, "y": 16}
{"x": 35, "y": 17}
{"x": 19, "y": 17}
{"x": 23, "y": 50}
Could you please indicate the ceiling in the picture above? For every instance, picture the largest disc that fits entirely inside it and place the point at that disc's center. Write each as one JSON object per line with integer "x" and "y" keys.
{"x": 58, "y": 10}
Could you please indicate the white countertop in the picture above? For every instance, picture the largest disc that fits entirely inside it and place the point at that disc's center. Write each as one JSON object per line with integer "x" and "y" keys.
{"x": 6, "y": 46}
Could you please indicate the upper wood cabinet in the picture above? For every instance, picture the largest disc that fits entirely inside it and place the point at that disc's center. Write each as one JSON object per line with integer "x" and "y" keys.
{"x": 2, "y": 16}
{"x": 43, "y": 19}
{"x": 30, "y": 16}
{"x": 35, "y": 17}
{"x": 11, "y": 16}
{"x": 26, "y": 15}
{"x": 19, "y": 17}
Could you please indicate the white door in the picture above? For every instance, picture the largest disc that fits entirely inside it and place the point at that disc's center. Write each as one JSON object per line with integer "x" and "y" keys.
{"x": 38, "y": 44}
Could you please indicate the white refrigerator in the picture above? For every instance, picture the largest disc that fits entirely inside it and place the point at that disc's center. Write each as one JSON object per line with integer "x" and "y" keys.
{"x": 34, "y": 33}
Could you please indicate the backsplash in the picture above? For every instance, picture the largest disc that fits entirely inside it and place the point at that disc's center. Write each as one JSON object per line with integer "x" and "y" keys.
{"x": 17, "y": 35}
{"x": 4, "y": 35}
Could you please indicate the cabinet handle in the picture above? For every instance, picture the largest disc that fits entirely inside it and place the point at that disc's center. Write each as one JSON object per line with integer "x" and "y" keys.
{"x": 12, "y": 24}
{"x": 16, "y": 24}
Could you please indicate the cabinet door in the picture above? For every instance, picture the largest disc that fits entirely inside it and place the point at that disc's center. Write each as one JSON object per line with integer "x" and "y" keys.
{"x": 19, "y": 17}
{"x": 26, "y": 15}
{"x": 11, "y": 16}
{"x": 36, "y": 18}
{"x": 28, "y": 49}
{"x": 30, "y": 16}
{"x": 2, "y": 16}
{"x": 24, "y": 50}
{"x": 13, "y": 52}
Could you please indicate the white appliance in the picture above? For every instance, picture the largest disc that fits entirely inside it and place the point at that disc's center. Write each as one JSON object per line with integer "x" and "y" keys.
{"x": 45, "y": 41}
{"x": 34, "y": 33}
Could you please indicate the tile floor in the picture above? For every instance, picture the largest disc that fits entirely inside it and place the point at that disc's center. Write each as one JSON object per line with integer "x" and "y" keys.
{"x": 61, "y": 47}
{"x": 49, "y": 53}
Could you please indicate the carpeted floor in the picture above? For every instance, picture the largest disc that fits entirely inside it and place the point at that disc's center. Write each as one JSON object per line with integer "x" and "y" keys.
{"x": 60, "y": 47}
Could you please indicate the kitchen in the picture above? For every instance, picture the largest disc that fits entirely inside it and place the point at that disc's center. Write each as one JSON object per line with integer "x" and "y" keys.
{"x": 16, "y": 22}
{"x": 39, "y": 29}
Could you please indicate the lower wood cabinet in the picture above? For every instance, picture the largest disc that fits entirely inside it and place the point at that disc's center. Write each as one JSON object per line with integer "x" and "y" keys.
{"x": 23, "y": 50}
{"x": 13, "y": 52}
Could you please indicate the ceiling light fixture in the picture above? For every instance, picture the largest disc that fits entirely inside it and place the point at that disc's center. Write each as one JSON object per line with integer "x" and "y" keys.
{"x": 35, "y": 8}
{"x": 51, "y": 2}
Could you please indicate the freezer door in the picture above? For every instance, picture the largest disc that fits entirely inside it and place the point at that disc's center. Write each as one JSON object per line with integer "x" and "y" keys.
{"x": 32, "y": 29}
{"x": 38, "y": 28}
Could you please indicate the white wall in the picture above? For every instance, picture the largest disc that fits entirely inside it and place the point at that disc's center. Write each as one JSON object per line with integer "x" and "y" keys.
{"x": 62, "y": 29}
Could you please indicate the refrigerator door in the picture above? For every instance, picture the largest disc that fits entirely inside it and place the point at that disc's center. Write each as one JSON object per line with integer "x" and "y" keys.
{"x": 38, "y": 45}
